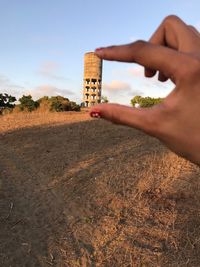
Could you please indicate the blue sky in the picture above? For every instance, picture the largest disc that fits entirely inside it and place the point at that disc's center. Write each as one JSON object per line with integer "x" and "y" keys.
{"x": 43, "y": 43}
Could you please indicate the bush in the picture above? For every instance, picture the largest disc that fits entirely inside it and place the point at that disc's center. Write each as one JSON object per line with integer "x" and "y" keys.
{"x": 104, "y": 99}
{"x": 27, "y": 103}
{"x": 44, "y": 104}
{"x": 145, "y": 102}
{"x": 59, "y": 103}
{"x": 7, "y": 101}
{"x": 74, "y": 106}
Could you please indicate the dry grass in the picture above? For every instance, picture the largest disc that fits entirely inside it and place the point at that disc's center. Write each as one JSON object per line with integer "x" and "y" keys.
{"x": 82, "y": 192}
{"x": 21, "y": 120}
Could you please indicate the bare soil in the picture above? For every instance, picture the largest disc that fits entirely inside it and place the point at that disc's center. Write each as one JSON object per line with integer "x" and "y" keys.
{"x": 76, "y": 191}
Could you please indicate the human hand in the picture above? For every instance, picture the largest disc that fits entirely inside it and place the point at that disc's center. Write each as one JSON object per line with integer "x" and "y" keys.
{"x": 174, "y": 51}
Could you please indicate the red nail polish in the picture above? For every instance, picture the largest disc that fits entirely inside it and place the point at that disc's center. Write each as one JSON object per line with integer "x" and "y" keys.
{"x": 98, "y": 49}
{"x": 95, "y": 114}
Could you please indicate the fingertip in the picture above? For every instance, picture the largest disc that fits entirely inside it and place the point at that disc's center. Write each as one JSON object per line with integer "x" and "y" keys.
{"x": 149, "y": 73}
{"x": 99, "y": 51}
{"x": 162, "y": 77}
{"x": 95, "y": 114}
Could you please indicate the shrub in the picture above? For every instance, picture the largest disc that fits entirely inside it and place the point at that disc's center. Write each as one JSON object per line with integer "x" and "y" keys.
{"x": 7, "y": 101}
{"x": 59, "y": 103}
{"x": 27, "y": 103}
{"x": 145, "y": 102}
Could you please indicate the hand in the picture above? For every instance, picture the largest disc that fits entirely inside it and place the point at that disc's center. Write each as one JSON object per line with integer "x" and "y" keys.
{"x": 174, "y": 51}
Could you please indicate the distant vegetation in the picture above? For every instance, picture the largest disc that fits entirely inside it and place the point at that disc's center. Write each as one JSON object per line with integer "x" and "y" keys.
{"x": 26, "y": 103}
{"x": 104, "y": 99}
{"x": 6, "y": 102}
{"x": 59, "y": 103}
{"x": 145, "y": 102}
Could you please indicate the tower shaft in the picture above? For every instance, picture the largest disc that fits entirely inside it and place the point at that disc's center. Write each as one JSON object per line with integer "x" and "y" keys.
{"x": 92, "y": 79}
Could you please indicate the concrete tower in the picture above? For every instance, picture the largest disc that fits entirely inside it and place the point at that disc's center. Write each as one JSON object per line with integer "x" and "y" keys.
{"x": 92, "y": 79}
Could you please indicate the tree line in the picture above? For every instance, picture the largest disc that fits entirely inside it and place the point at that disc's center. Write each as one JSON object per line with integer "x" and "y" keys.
{"x": 26, "y": 103}
{"x": 60, "y": 103}
{"x": 145, "y": 102}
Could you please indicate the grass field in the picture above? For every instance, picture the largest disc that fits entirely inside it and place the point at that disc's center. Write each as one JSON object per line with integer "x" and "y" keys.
{"x": 76, "y": 191}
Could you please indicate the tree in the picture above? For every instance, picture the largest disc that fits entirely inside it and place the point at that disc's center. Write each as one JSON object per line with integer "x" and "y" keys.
{"x": 104, "y": 99}
{"x": 7, "y": 101}
{"x": 74, "y": 106}
{"x": 136, "y": 100}
{"x": 27, "y": 103}
{"x": 60, "y": 103}
{"x": 145, "y": 102}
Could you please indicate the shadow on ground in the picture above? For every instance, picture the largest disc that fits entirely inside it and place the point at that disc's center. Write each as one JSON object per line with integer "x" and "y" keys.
{"x": 95, "y": 194}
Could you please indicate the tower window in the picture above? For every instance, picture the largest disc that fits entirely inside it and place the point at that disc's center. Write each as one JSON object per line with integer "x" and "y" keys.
{"x": 87, "y": 81}
{"x": 94, "y": 81}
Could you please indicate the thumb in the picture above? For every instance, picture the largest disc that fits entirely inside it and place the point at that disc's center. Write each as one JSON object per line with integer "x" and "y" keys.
{"x": 145, "y": 119}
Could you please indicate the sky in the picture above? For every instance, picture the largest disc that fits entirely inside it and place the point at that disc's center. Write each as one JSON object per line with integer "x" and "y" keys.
{"x": 42, "y": 44}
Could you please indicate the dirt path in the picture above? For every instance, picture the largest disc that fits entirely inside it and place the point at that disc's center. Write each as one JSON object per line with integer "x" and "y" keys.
{"x": 95, "y": 194}
{"x": 33, "y": 215}
{"x": 30, "y": 212}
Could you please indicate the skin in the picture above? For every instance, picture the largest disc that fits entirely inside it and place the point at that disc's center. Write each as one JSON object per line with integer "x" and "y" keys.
{"x": 173, "y": 51}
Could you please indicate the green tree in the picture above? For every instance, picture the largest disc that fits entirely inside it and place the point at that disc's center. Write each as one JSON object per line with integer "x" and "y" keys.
{"x": 60, "y": 103}
{"x": 27, "y": 103}
{"x": 74, "y": 106}
{"x": 7, "y": 101}
{"x": 136, "y": 100}
{"x": 104, "y": 99}
{"x": 145, "y": 102}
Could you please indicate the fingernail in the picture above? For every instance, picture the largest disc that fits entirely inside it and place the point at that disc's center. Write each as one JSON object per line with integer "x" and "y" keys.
{"x": 99, "y": 50}
{"x": 95, "y": 114}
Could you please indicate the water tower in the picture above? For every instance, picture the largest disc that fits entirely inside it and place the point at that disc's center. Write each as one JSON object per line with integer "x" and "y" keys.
{"x": 92, "y": 79}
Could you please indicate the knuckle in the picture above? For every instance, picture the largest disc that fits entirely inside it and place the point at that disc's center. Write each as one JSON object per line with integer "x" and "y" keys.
{"x": 190, "y": 69}
{"x": 139, "y": 43}
{"x": 171, "y": 19}
{"x": 192, "y": 27}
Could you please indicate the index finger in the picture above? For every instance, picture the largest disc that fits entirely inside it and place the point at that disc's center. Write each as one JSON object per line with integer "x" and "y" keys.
{"x": 151, "y": 56}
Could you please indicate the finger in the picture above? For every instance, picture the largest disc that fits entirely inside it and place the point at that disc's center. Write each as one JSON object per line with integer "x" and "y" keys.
{"x": 162, "y": 77}
{"x": 194, "y": 30}
{"x": 174, "y": 33}
{"x": 143, "y": 119}
{"x": 151, "y": 56}
{"x": 149, "y": 73}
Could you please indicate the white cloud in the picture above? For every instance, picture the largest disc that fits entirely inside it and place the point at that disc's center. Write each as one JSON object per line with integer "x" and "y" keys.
{"x": 7, "y": 83}
{"x": 119, "y": 91}
{"x": 48, "y": 90}
{"x": 137, "y": 71}
{"x": 50, "y": 69}
{"x": 116, "y": 86}
{"x": 146, "y": 83}
{"x": 7, "y": 86}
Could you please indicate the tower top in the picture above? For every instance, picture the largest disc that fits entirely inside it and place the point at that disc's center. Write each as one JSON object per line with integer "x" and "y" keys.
{"x": 89, "y": 52}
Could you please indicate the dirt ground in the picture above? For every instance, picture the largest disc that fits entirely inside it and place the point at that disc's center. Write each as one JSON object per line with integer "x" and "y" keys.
{"x": 76, "y": 191}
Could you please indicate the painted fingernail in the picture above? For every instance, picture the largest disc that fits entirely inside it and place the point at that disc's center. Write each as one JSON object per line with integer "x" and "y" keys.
{"x": 95, "y": 114}
{"x": 99, "y": 50}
